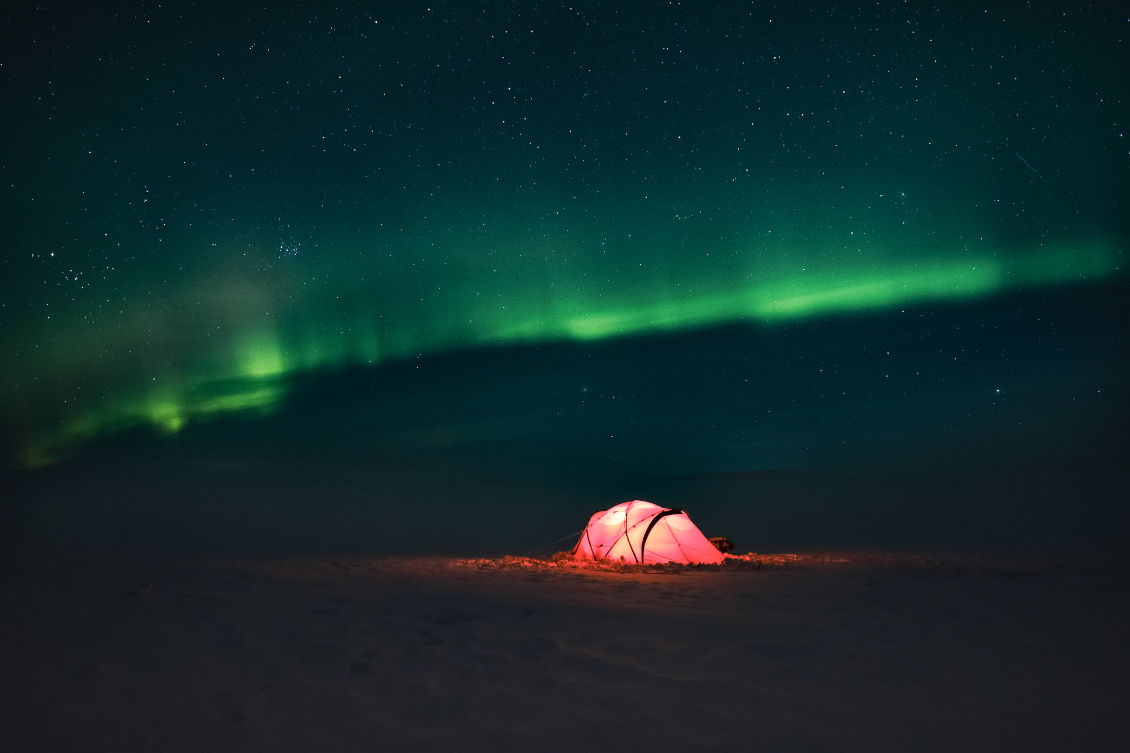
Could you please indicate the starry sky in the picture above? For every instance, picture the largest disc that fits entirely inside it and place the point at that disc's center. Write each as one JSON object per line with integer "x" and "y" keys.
{"x": 777, "y": 234}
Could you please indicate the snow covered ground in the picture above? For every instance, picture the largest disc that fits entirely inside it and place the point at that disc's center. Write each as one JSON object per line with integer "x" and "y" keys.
{"x": 776, "y": 653}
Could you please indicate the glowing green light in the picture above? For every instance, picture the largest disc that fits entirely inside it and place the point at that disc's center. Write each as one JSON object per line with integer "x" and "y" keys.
{"x": 251, "y": 378}
{"x": 166, "y": 415}
{"x": 260, "y": 356}
{"x": 241, "y": 396}
{"x": 166, "y": 412}
{"x": 876, "y": 292}
{"x": 795, "y": 299}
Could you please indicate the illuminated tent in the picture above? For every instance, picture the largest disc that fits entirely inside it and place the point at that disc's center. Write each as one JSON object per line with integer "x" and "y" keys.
{"x": 639, "y": 531}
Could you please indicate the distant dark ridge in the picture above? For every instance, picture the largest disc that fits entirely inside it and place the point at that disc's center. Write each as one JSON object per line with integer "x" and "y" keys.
{"x": 287, "y": 510}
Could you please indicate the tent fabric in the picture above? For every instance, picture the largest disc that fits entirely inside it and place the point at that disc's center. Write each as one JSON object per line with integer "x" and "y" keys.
{"x": 640, "y": 532}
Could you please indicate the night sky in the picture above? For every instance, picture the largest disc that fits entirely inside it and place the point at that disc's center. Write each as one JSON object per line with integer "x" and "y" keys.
{"x": 550, "y": 238}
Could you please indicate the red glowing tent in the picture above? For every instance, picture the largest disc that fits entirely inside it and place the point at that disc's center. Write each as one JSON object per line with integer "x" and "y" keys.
{"x": 640, "y": 532}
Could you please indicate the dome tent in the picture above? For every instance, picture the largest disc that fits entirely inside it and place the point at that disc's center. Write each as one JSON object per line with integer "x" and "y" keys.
{"x": 640, "y": 532}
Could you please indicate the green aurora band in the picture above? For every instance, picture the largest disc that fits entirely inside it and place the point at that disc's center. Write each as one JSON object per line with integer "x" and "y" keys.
{"x": 194, "y": 215}
{"x": 247, "y": 371}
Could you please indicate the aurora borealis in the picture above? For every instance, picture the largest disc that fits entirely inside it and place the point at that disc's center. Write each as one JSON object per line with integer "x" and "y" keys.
{"x": 200, "y": 206}
{"x": 326, "y": 326}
